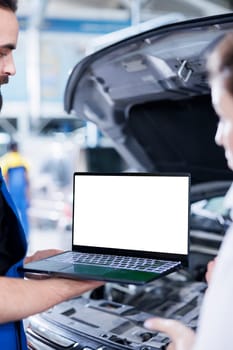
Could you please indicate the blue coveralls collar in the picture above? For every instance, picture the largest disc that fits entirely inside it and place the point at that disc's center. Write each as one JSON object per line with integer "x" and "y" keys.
{"x": 12, "y": 334}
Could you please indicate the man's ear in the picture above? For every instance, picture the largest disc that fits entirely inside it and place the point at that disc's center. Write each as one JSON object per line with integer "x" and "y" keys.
{"x": 0, "y": 101}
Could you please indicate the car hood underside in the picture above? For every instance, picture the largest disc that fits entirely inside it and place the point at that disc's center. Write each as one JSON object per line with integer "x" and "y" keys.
{"x": 149, "y": 94}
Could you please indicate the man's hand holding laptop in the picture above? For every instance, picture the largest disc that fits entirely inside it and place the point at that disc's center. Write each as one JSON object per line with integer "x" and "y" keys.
{"x": 67, "y": 288}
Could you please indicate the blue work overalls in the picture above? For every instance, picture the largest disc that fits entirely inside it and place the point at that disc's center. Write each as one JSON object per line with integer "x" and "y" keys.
{"x": 12, "y": 336}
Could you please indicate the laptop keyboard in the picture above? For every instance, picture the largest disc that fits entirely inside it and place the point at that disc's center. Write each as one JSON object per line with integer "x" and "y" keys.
{"x": 117, "y": 262}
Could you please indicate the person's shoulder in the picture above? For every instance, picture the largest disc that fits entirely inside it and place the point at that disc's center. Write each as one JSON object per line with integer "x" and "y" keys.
{"x": 24, "y": 162}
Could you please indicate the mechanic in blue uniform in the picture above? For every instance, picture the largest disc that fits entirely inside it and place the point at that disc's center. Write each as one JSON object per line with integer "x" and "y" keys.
{"x": 15, "y": 170}
{"x": 19, "y": 297}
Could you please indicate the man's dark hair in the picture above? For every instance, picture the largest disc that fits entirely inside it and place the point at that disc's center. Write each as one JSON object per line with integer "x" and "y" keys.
{"x": 13, "y": 146}
{"x": 9, "y": 4}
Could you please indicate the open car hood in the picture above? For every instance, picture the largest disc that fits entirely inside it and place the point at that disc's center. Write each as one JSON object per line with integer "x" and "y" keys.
{"x": 149, "y": 94}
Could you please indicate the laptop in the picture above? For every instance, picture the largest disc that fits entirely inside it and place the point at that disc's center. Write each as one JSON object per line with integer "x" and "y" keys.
{"x": 127, "y": 228}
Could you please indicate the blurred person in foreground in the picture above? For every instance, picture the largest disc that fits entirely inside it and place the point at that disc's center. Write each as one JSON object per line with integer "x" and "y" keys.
{"x": 214, "y": 331}
{"x": 19, "y": 297}
{"x": 15, "y": 170}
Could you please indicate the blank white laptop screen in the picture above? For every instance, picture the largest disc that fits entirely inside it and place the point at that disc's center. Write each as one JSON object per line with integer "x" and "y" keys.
{"x": 129, "y": 217}
{"x": 148, "y": 213}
